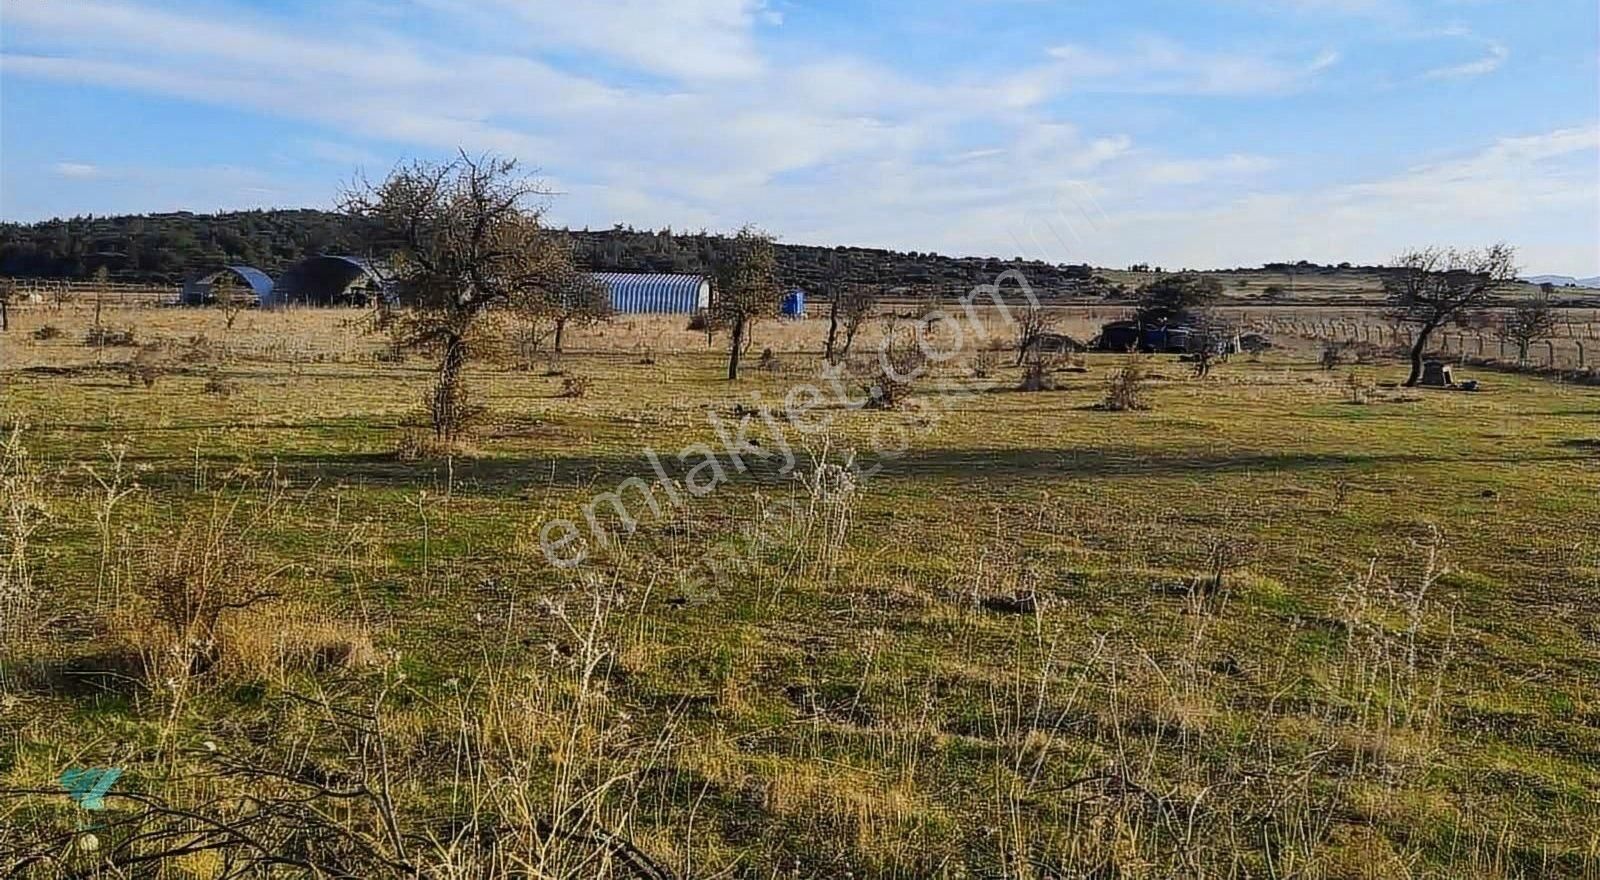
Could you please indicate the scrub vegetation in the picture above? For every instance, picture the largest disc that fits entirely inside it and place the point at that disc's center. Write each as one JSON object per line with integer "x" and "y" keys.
{"x": 1134, "y": 624}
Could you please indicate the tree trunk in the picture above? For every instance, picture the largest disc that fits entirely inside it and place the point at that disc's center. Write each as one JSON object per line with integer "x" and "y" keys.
{"x": 735, "y": 347}
{"x": 833, "y": 327}
{"x": 447, "y": 405}
{"x": 1418, "y": 346}
{"x": 5, "y": 319}
{"x": 561, "y": 324}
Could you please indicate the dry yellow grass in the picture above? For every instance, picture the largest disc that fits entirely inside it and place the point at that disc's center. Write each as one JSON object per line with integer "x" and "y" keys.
{"x": 1392, "y": 677}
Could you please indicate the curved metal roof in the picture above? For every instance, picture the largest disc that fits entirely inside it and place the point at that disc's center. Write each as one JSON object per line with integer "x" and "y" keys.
{"x": 257, "y": 279}
{"x": 323, "y": 279}
{"x": 644, "y": 292}
{"x": 199, "y": 288}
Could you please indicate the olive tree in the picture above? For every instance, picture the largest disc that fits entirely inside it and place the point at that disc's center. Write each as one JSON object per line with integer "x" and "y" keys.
{"x": 1434, "y": 287}
{"x": 846, "y": 314}
{"x": 465, "y": 242}
{"x": 569, "y": 296}
{"x": 747, "y": 288}
{"x": 1532, "y": 321}
{"x": 1033, "y": 324}
{"x": 1177, "y": 299}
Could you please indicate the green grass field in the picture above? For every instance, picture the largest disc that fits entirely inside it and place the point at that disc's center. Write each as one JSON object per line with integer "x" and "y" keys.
{"x": 1256, "y": 630}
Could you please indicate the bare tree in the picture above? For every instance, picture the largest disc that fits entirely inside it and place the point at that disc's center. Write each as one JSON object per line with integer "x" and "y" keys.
{"x": 833, "y": 289}
{"x": 855, "y": 306}
{"x": 571, "y": 296}
{"x": 1032, "y": 324}
{"x": 466, "y": 242}
{"x": 8, "y": 289}
{"x": 1434, "y": 287}
{"x": 226, "y": 294}
{"x": 100, "y": 276}
{"x": 1533, "y": 321}
{"x": 231, "y": 300}
{"x": 747, "y": 289}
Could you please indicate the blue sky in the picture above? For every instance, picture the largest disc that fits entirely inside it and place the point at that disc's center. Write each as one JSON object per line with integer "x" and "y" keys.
{"x": 1197, "y": 133}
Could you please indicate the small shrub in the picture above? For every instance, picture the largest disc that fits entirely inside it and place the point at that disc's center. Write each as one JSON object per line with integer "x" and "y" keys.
{"x": 524, "y": 343}
{"x": 218, "y": 386}
{"x": 1364, "y": 352}
{"x": 142, "y": 374}
{"x": 984, "y": 363}
{"x": 105, "y": 337}
{"x": 1357, "y": 390}
{"x": 699, "y": 322}
{"x": 199, "y": 350}
{"x": 892, "y": 370}
{"x": 147, "y": 366}
{"x": 574, "y": 386}
{"x": 1037, "y": 374}
{"x": 191, "y": 580}
{"x": 47, "y": 333}
{"x": 1332, "y": 354}
{"x": 414, "y": 444}
{"x": 1126, "y": 389}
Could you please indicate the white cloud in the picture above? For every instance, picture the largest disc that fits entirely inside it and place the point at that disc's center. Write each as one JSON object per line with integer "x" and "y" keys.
{"x": 79, "y": 170}
{"x": 684, "y": 39}
{"x": 826, "y": 149}
{"x": 1155, "y": 65}
{"x": 1540, "y": 192}
{"x": 1188, "y": 171}
{"x": 1495, "y": 55}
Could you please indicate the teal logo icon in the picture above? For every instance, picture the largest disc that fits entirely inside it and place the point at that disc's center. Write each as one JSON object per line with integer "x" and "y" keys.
{"x": 88, "y": 787}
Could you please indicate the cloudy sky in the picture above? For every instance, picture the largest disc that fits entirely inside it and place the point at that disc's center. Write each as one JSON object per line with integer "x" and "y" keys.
{"x": 1180, "y": 132}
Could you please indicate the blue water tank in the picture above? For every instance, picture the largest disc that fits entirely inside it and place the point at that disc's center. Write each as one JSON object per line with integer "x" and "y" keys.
{"x": 794, "y": 304}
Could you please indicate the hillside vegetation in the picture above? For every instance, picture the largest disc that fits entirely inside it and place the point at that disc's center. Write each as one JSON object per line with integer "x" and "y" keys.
{"x": 168, "y": 248}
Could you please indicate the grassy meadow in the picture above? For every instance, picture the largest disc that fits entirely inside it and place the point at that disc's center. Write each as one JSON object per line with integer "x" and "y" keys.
{"x": 1284, "y": 622}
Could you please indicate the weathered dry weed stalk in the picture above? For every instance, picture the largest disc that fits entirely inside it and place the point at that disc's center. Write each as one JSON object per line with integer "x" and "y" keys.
{"x": 22, "y": 510}
{"x": 114, "y": 486}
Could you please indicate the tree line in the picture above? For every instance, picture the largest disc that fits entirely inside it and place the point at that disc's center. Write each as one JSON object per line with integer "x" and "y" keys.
{"x": 172, "y": 247}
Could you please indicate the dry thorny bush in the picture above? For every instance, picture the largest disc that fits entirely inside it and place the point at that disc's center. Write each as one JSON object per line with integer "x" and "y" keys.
{"x": 891, "y": 373}
{"x": 1126, "y": 388}
{"x": 23, "y": 510}
{"x": 190, "y": 580}
{"x": 541, "y": 771}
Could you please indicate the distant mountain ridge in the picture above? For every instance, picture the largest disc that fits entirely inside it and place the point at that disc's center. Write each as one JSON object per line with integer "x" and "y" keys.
{"x": 1564, "y": 281}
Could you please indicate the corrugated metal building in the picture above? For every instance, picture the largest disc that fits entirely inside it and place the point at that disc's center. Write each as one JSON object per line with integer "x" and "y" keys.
{"x": 198, "y": 291}
{"x": 327, "y": 280}
{"x": 638, "y": 293}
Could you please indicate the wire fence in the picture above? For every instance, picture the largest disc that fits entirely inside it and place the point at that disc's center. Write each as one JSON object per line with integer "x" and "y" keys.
{"x": 1573, "y": 344}
{"x": 59, "y": 292}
